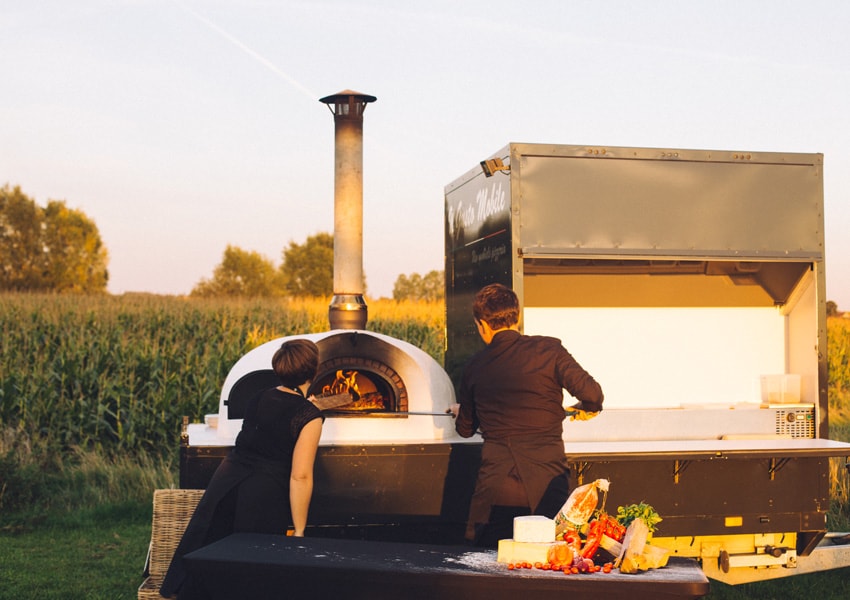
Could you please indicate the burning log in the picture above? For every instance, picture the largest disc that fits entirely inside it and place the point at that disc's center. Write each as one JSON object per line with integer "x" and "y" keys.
{"x": 361, "y": 390}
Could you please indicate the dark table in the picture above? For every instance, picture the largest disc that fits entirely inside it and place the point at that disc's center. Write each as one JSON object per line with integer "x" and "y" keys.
{"x": 267, "y": 566}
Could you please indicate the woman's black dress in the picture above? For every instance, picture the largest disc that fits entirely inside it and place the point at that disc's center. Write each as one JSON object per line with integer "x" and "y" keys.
{"x": 249, "y": 492}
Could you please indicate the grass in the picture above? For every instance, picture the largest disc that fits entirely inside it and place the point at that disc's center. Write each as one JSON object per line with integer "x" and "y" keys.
{"x": 95, "y": 553}
{"x": 827, "y": 585}
{"x": 86, "y": 527}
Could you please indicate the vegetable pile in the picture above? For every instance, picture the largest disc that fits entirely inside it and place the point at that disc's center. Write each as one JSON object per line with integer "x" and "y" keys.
{"x": 589, "y": 540}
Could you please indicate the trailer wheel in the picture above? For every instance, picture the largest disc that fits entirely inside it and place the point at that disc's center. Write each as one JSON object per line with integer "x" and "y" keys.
{"x": 724, "y": 561}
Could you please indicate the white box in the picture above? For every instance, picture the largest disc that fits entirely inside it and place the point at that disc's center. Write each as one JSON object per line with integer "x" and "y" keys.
{"x": 534, "y": 528}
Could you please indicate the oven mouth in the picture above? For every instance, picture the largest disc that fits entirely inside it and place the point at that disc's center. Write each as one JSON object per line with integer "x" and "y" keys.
{"x": 375, "y": 387}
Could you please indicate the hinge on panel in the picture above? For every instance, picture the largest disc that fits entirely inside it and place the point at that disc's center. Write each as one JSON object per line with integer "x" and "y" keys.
{"x": 580, "y": 468}
{"x": 678, "y": 467}
{"x": 776, "y": 466}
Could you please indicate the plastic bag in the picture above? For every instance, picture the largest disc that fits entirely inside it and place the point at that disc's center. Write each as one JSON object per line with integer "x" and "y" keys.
{"x": 579, "y": 507}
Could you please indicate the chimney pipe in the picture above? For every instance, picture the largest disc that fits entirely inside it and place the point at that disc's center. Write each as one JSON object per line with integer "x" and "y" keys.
{"x": 348, "y": 308}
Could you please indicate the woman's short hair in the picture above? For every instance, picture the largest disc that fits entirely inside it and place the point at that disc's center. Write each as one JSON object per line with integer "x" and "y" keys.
{"x": 497, "y": 305}
{"x": 296, "y": 362}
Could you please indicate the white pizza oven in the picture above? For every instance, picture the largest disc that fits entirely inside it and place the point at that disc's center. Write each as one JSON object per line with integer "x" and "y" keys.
{"x": 399, "y": 392}
{"x": 389, "y": 465}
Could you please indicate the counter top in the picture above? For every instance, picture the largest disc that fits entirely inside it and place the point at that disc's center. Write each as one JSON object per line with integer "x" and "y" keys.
{"x": 706, "y": 449}
{"x": 263, "y": 566}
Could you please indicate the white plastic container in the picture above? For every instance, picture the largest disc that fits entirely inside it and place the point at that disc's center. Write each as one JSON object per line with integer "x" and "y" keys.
{"x": 780, "y": 389}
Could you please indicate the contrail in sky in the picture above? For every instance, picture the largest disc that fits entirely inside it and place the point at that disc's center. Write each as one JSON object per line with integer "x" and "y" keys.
{"x": 252, "y": 53}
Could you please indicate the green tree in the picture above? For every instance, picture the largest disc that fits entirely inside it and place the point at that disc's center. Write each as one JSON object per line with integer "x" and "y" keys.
{"x": 48, "y": 249}
{"x": 241, "y": 273}
{"x": 831, "y": 308}
{"x": 76, "y": 257}
{"x": 415, "y": 287}
{"x": 308, "y": 269}
{"x": 21, "y": 260}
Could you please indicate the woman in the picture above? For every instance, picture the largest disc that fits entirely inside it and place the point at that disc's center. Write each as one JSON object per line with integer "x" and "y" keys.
{"x": 265, "y": 484}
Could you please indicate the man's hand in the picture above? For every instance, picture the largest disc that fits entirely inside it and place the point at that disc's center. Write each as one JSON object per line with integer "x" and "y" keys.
{"x": 582, "y": 415}
{"x": 577, "y": 413}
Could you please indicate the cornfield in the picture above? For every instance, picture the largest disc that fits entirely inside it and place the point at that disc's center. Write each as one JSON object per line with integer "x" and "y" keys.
{"x": 117, "y": 373}
{"x": 838, "y": 363}
{"x": 114, "y": 375}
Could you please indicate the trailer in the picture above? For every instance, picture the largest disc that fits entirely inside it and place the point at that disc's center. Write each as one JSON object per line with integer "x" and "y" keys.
{"x": 691, "y": 285}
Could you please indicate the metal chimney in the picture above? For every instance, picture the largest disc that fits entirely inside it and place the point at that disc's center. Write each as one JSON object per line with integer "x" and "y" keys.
{"x": 348, "y": 308}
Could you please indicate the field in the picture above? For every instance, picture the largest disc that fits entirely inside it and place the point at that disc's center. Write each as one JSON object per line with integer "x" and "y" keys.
{"x": 92, "y": 391}
{"x": 117, "y": 373}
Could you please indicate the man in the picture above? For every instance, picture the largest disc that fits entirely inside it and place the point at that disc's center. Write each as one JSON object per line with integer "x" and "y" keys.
{"x": 512, "y": 391}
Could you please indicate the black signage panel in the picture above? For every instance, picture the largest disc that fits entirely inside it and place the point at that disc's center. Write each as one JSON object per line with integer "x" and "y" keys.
{"x": 478, "y": 252}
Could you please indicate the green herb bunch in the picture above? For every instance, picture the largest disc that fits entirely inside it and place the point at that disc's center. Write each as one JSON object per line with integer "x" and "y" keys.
{"x": 643, "y": 511}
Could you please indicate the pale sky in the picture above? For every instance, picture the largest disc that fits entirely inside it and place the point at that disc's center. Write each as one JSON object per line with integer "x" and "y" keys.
{"x": 182, "y": 127}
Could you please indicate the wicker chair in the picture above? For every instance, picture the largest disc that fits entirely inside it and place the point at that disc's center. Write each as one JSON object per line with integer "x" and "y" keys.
{"x": 172, "y": 510}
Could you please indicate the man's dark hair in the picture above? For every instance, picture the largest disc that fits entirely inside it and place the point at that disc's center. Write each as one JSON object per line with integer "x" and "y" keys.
{"x": 296, "y": 362}
{"x": 497, "y": 305}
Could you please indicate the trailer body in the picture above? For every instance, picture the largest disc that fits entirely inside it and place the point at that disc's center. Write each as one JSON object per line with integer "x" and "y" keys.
{"x": 691, "y": 285}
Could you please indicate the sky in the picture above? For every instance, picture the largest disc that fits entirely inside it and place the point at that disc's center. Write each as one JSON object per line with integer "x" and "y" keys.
{"x": 182, "y": 127}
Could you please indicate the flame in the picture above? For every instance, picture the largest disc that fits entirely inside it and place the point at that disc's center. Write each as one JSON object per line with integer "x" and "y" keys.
{"x": 361, "y": 388}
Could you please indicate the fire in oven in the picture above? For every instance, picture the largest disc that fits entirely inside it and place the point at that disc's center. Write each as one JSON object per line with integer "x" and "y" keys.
{"x": 374, "y": 386}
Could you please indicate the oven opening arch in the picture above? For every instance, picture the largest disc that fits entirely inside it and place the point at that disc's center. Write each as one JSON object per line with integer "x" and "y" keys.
{"x": 376, "y": 388}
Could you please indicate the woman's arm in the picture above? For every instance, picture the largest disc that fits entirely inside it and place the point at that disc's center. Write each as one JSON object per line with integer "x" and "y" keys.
{"x": 301, "y": 477}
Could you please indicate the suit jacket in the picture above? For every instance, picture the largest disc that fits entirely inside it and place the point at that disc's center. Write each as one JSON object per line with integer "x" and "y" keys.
{"x": 512, "y": 391}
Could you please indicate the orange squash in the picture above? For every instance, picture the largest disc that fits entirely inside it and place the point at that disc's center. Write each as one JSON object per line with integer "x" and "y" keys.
{"x": 560, "y": 553}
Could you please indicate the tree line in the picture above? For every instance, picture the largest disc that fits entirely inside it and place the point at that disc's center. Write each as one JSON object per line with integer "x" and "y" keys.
{"x": 306, "y": 270}
{"x": 51, "y": 248}
{"x": 59, "y": 249}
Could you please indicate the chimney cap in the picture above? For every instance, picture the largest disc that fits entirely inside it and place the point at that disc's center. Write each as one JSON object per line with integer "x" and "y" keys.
{"x": 347, "y": 104}
{"x": 345, "y": 96}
